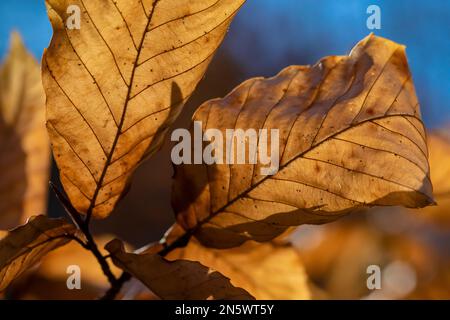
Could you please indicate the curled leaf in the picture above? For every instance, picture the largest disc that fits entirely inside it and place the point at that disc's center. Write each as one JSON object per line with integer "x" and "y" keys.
{"x": 350, "y": 136}
{"x": 177, "y": 280}
{"x": 115, "y": 85}
{"x": 24, "y": 246}
{"x": 267, "y": 271}
{"x": 24, "y": 145}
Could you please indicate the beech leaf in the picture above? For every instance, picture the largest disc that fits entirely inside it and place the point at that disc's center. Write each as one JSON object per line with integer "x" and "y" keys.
{"x": 350, "y": 136}
{"x": 268, "y": 271}
{"x": 24, "y": 246}
{"x": 115, "y": 85}
{"x": 175, "y": 280}
{"x": 24, "y": 145}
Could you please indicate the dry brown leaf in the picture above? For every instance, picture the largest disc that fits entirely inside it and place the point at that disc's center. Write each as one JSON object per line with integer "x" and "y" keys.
{"x": 267, "y": 271}
{"x": 351, "y": 136}
{"x": 24, "y": 145}
{"x": 177, "y": 280}
{"x": 115, "y": 86}
{"x": 27, "y": 244}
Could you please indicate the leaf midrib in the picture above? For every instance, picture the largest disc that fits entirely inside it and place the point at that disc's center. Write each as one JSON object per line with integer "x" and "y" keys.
{"x": 122, "y": 119}
{"x": 230, "y": 202}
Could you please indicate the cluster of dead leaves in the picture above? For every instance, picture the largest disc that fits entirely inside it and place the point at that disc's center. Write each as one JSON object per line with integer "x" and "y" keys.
{"x": 351, "y": 137}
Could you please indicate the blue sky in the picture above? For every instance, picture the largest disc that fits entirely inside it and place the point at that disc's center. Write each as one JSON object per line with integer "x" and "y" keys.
{"x": 268, "y": 35}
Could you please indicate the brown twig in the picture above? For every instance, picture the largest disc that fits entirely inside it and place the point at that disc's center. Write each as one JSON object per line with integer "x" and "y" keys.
{"x": 178, "y": 243}
{"x": 116, "y": 287}
{"x": 90, "y": 244}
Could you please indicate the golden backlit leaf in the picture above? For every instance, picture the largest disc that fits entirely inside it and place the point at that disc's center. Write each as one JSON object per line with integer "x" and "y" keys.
{"x": 350, "y": 136}
{"x": 267, "y": 271}
{"x": 27, "y": 244}
{"x": 24, "y": 145}
{"x": 178, "y": 280}
{"x": 115, "y": 85}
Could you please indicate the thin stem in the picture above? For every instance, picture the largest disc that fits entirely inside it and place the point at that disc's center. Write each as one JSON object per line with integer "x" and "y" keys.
{"x": 72, "y": 212}
{"x": 115, "y": 289}
{"x": 179, "y": 242}
{"x": 90, "y": 244}
{"x": 80, "y": 242}
{"x": 93, "y": 248}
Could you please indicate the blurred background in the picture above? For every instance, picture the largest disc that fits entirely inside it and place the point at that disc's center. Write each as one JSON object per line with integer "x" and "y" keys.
{"x": 266, "y": 36}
